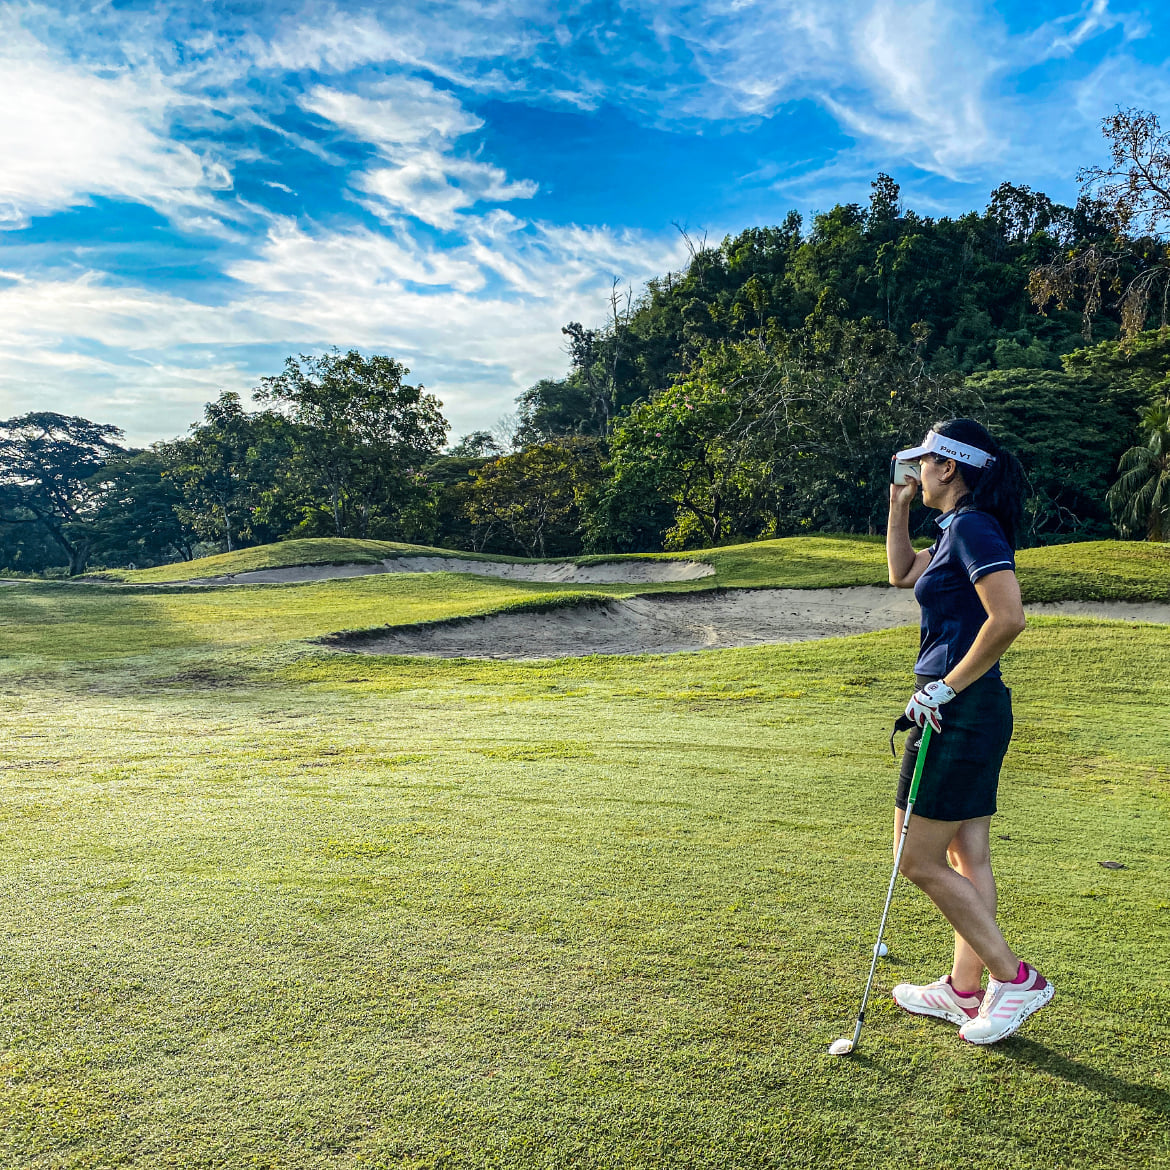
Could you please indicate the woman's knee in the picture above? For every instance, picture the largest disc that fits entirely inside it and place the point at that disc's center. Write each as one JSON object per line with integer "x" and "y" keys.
{"x": 919, "y": 868}
{"x": 971, "y": 849}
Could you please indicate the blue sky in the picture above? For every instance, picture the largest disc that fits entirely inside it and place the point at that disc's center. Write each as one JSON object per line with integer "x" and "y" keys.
{"x": 191, "y": 192}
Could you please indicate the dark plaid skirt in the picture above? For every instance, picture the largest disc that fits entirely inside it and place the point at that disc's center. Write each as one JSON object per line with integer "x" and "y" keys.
{"x": 961, "y": 775}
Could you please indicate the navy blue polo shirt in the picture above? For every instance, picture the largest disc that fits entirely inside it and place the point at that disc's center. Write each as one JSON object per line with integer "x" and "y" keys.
{"x": 970, "y": 545}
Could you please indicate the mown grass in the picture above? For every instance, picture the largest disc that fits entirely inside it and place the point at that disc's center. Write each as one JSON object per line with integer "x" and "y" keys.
{"x": 68, "y": 622}
{"x": 319, "y": 551}
{"x": 1098, "y": 570}
{"x": 267, "y": 905}
{"x": 1094, "y": 570}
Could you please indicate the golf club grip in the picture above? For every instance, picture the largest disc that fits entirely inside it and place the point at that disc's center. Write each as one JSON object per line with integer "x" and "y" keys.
{"x": 923, "y": 744}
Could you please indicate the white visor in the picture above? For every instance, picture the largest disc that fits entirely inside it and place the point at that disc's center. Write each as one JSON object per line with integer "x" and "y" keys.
{"x": 937, "y": 444}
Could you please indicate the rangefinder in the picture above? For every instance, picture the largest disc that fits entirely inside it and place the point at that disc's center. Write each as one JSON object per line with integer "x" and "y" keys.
{"x": 900, "y": 470}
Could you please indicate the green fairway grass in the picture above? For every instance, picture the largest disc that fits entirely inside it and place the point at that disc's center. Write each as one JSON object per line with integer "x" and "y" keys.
{"x": 62, "y": 622}
{"x": 1093, "y": 570}
{"x": 1096, "y": 570}
{"x": 267, "y": 905}
{"x": 319, "y": 551}
{"x": 796, "y": 561}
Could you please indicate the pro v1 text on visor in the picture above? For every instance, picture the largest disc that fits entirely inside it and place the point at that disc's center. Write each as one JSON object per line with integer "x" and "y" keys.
{"x": 936, "y": 444}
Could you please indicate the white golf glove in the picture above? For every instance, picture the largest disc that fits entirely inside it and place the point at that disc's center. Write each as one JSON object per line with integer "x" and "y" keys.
{"x": 924, "y": 704}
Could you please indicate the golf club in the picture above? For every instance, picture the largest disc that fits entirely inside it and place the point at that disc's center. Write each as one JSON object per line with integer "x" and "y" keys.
{"x": 845, "y": 1045}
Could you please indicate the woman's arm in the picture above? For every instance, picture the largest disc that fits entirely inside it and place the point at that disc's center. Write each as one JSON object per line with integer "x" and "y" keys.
{"x": 1000, "y": 595}
{"x": 905, "y": 565}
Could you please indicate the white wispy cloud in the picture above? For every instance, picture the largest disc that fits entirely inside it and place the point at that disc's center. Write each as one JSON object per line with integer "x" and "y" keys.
{"x": 923, "y": 80}
{"x": 926, "y": 83}
{"x": 1065, "y": 35}
{"x": 472, "y": 43}
{"x": 495, "y": 322}
{"x": 332, "y": 41}
{"x": 478, "y": 322}
{"x": 396, "y": 112}
{"x": 433, "y": 187}
{"x": 68, "y": 133}
{"x": 413, "y": 125}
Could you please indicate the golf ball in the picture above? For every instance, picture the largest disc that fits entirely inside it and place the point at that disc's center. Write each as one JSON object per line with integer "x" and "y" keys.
{"x": 881, "y": 950}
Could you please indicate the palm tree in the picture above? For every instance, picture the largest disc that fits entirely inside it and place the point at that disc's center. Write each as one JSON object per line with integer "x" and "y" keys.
{"x": 1141, "y": 496}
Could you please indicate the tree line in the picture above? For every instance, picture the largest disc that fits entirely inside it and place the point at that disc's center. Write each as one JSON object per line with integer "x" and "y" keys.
{"x": 758, "y": 392}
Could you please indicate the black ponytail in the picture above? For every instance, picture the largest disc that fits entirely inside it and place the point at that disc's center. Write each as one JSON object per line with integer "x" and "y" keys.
{"x": 998, "y": 489}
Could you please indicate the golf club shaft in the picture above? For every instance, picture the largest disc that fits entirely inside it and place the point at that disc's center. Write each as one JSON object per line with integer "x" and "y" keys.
{"x": 923, "y": 743}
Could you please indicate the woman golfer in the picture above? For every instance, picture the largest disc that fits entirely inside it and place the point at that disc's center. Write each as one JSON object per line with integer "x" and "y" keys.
{"x": 971, "y": 612}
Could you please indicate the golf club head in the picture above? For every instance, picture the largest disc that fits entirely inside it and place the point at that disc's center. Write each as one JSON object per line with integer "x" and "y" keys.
{"x": 842, "y": 1047}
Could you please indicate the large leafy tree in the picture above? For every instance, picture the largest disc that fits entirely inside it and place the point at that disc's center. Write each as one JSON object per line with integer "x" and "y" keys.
{"x": 362, "y": 435}
{"x": 28, "y": 548}
{"x": 139, "y": 518}
{"x": 232, "y": 472}
{"x": 965, "y": 277}
{"x": 1070, "y": 427}
{"x": 1140, "y": 498}
{"x": 48, "y": 465}
{"x": 1126, "y": 208}
{"x": 680, "y": 446}
{"x": 778, "y": 434}
{"x": 440, "y": 513}
{"x": 835, "y": 399}
{"x": 556, "y": 408}
{"x": 1068, "y": 432}
{"x": 536, "y": 497}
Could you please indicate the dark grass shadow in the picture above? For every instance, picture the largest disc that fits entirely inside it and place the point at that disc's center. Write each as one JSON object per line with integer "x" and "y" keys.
{"x": 1104, "y": 1084}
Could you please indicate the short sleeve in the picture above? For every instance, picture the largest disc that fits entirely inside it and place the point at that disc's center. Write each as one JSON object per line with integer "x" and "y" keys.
{"x": 980, "y": 546}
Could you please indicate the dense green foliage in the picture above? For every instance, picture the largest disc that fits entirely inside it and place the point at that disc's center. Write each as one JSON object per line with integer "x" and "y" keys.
{"x": 965, "y": 278}
{"x": 50, "y": 471}
{"x": 535, "y": 497}
{"x": 361, "y": 433}
{"x": 757, "y": 393}
{"x": 1141, "y": 496}
{"x": 1070, "y": 427}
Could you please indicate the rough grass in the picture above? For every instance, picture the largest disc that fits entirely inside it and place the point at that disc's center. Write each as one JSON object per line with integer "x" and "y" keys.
{"x": 67, "y": 622}
{"x": 266, "y": 905}
{"x": 322, "y": 551}
{"x": 1095, "y": 570}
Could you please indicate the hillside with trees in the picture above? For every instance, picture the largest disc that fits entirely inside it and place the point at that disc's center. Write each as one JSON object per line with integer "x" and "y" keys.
{"x": 758, "y": 392}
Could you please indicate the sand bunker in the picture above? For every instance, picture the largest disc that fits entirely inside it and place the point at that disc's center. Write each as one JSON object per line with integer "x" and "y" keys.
{"x": 610, "y": 573}
{"x": 653, "y": 625}
{"x": 669, "y": 623}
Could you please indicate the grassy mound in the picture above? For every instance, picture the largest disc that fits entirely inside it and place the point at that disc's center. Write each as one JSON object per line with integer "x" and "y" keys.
{"x": 1097, "y": 570}
{"x": 271, "y": 907}
{"x": 800, "y": 561}
{"x": 1105, "y": 570}
{"x": 322, "y": 551}
{"x": 61, "y": 623}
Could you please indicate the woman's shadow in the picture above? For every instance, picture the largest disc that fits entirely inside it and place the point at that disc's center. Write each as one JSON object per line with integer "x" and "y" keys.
{"x": 1103, "y": 1083}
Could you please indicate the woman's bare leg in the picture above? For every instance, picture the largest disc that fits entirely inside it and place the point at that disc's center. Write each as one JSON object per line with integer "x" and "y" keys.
{"x": 970, "y": 855}
{"x": 924, "y": 862}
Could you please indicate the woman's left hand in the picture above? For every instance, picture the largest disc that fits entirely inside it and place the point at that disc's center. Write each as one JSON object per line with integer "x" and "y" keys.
{"x": 924, "y": 704}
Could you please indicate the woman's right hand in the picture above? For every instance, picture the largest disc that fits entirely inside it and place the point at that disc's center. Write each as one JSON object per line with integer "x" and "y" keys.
{"x": 902, "y": 495}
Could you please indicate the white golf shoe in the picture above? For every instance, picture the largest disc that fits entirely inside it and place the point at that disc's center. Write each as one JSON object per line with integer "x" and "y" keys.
{"x": 938, "y": 999}
{"x": 1006, "y": 1006}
